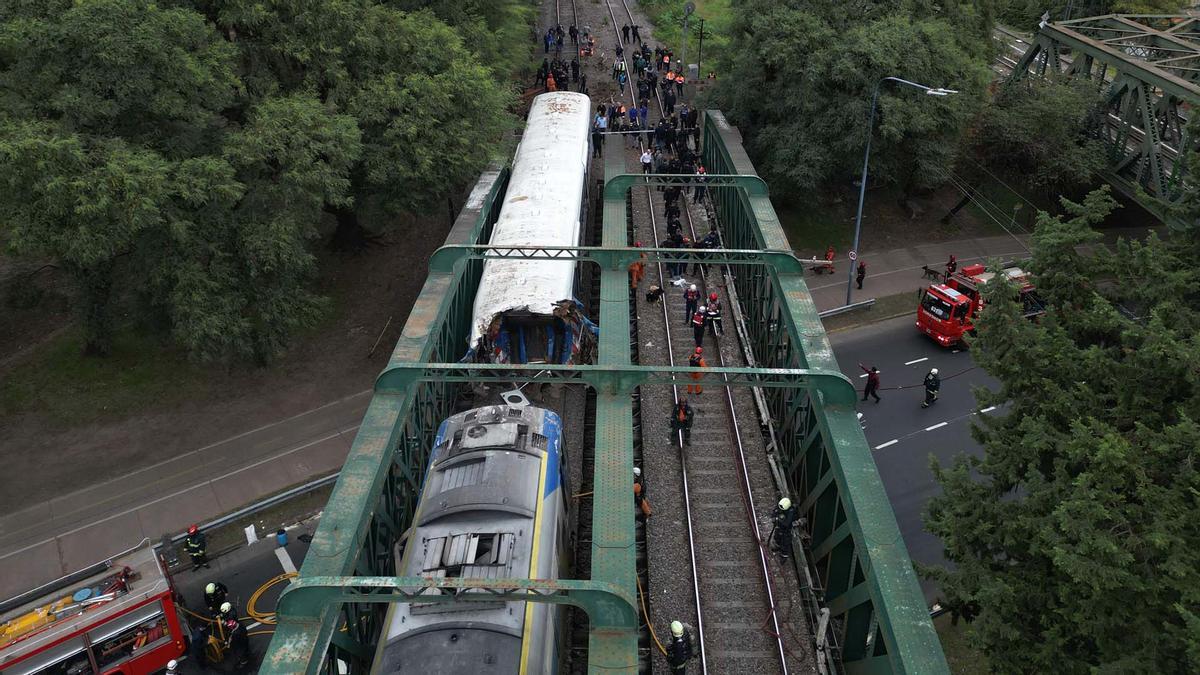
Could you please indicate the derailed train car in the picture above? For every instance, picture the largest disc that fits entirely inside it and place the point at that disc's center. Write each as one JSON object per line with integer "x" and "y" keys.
{"x": 525, "y": 310}
{"x": 492, "y": 506}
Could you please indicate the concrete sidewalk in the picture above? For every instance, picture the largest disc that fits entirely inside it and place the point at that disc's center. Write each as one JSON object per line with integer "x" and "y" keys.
{"x": 60, "y": 535}
{"x": 899, "y": 270}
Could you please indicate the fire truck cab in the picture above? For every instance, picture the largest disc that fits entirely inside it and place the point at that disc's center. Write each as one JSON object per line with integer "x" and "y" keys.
{"x": 948, "y": 310}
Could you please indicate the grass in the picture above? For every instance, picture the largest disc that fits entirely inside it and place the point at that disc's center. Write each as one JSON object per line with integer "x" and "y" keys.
{"x": 810, "y": 227}
{"x": 887, "y": 307}
{"x": 667, "y": 16}
{"x": 58, "y": 381}
{"x": 963, "y": 657}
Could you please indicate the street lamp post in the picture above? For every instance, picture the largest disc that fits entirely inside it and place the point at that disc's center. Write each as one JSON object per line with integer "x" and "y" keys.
{"x": 862, "y": 188}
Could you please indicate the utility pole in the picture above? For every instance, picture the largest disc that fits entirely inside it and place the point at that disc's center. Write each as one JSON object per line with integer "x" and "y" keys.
{"x": 700, "y": 53}
{"x": 687, "y": 13}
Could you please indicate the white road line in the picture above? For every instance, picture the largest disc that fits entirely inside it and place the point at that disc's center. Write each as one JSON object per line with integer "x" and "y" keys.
{"x": 285, "y": 560}
{"x": 909, "y": 363}
{"x": 884, "y": 445}
{"x": 988, "y": 409}
{"x": 939, "y": 425}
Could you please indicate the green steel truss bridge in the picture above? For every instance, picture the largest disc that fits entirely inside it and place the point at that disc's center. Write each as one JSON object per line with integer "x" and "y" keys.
{"x": 330, "y": 618}
{"x": 1148, "y": 68}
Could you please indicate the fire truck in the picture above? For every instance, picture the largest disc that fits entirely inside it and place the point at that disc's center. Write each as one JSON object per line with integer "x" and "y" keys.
{"x": 948, "y": 310}
{"x": 117, "y": 616}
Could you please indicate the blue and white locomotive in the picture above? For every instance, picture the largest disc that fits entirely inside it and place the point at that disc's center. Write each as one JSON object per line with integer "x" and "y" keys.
{"x": 492, "y": 506}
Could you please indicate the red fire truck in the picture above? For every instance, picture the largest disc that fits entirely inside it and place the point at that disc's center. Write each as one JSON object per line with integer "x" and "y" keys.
{"x": 115, "y": 617}
{"x": 948, "y": 310}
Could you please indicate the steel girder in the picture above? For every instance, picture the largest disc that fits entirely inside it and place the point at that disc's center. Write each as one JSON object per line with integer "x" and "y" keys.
{"x": 616, "y": 186}
{"x": 617, "y": 258}
{"x": 1149, "y": 70}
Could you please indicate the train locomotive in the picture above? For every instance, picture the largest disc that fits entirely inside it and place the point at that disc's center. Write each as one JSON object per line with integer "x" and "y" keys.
{"x": 492, "y": 506}
{"x": 525, "y": 310}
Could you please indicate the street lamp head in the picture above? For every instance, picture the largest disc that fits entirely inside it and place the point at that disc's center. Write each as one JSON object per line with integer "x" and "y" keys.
{"x": 939, "y": 91}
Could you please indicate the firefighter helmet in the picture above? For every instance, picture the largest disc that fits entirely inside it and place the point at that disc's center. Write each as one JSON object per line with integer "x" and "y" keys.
{"x": 692, "y": 288}
{"x": 933, "y": 371}
{"x": 210, "y": 588}
{"x": 703, "y": 309}
{"x": 637, "y": 471}
{"x": 676, "y": 629}
{"x": 193, "y": 529}
{"x": 226, "y": 607}
{"x": 712, "y": 296}
{"x": 785, "y": 504}
{"x": 699, "y": 350}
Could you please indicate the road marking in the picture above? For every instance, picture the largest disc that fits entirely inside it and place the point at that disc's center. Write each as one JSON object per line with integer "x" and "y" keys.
{"x": 884, "y": 445}
{"x": 285, "y": 560}
{"x": 178, "y": 492}
{"x": 988, "y": 409}
{"x": 909, "y": 363}
{"x": 955, "y": 351}
{"x": 939, "y": 425}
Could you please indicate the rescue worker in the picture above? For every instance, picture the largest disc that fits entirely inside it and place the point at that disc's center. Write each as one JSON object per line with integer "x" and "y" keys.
{"x": 698, "y": 321}
{"x": 951, "y": 265}
{"x": 225, "y": 611}
{"x": 829, "y": 256}
{"x": 932, "y": 384}
{"x": 679, "y": 651}
{"x": 691, "y": 298}
{"x": 196, "y": 546}
{"x": 862, "y": 273}
{"x": 637, "y": 269}
{"x": 574, "y": 33}
{"x": 172, "y": 667}
{"x": 713, "y": 316}
{"x": 214, "y": 595}
{"x": 237, "y": 641}
{"x": 696, "y": 360}
{"x": 701, "y": 179}
{"x": 625, "y": 33}
{"x": 641, "y": 505}
{"x": 872, "y": 382}
{"x": 681, "y": 420}
{"x": 784, "y": 519}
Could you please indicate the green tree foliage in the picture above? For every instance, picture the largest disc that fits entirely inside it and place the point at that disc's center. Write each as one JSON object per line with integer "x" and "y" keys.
{"x": 1025, "y": 14}
{"x": 497, "y": 31}
{"x": 183, "y": 152}
{"x": 1076, "y": 535}
{"x": 1042, "y": 131}
{"x": 818, "y": 64}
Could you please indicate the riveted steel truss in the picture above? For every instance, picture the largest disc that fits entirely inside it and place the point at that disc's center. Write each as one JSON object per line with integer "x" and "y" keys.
{"x": 1148, "y": 68}
{"x": 331, "y": 618}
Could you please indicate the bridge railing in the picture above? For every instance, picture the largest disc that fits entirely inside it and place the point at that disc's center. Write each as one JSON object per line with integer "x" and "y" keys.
{"x": 863, "y": 566}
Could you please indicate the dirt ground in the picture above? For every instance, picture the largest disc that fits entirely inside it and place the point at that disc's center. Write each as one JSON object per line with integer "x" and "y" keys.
{"x": 42, "y": 458}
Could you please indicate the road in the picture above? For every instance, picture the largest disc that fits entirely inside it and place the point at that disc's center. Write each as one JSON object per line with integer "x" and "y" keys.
{"x": 902, "y": 434}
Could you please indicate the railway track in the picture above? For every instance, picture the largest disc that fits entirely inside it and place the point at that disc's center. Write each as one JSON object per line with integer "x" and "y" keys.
{"x": 736, "y": 630}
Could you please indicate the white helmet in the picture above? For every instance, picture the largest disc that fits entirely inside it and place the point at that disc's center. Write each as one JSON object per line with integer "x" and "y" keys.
{"x": 226, "y": 607}
{"x": 676, "y": 629}
{"x": 637, "y": 471}
{"x": 172, "y": 665}
{"x": 785, "y": 503}
{"x": 703, "y": 308}
{"x": 933, "y": 371}
{"x": 693, "y": 287}
{"x": 210, "y": 588}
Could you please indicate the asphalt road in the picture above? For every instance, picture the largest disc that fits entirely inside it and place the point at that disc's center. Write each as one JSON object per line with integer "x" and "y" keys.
{"x": 903, "y": 435}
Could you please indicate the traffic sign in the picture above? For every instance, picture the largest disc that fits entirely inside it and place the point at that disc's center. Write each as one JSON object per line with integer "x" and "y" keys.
{"x": 853, "y": 255}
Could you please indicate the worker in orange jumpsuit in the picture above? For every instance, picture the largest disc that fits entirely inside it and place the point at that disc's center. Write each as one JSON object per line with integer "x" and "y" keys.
{"x": 696, "y": 360}
{"x": 637, "y": 270}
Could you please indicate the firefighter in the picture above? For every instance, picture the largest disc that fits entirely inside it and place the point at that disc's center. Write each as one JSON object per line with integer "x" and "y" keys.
{"x": 951, "y": 265}
{"x": 637, "y": 269}
{"x": 698, "y": 320}
{"x": 696, "y": 360}
{"x": 680, "y": 651}
{"x": 681, "y": 420}
{"x": 641, "y": 505}
{"x": 225, "y": 611}
{"x": 196, "y": 546}
{"x": 713, "y": 315}
{"x": 872, "y": 382}
{"x": 830, "y": 254}
{"x": 214, "y": 595}
{"x": 784, "y": 519}
{"x": 691, "y": 298}
{"x": 862, "y": 274}
{"x": 237, "y": 641}
{"x": 932, "y": 384}
{"x": 172, "y": 667}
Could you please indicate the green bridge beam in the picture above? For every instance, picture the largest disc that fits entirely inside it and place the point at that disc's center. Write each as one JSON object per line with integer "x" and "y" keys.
{"x": 616, "y": 186}
{"x": 618, "y": 258}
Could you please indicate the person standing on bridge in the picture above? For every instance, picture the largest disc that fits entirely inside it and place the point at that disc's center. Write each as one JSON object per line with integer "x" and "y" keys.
{"x": 696, "y": 360}
{"x": 597, "y": 142}
{"x": 784, "y": 519}
{"x": 691, "y": 299}
{"x": 680, "y": 649}
{"x": 681, "y": 420}
{"x": 699, "y": 319}
{"x": 574, "y": 33}
{"x": 625, "y": 33}
{"x": 713, "y": 317}
{"x": 641, "y": 505}
{"x": 636, "y": 37}
{"x": 637, "y": 269}
{"x": 872, "y": 382}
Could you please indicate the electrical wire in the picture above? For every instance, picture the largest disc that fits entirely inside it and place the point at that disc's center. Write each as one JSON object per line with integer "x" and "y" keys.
{"x": 646, "y": 615}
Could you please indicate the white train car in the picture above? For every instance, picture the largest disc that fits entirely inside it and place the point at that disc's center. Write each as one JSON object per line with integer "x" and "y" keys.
{"x": 525, "y": 310}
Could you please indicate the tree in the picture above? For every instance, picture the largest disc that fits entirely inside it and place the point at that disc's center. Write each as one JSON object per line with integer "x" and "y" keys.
{"x": 1043, "y": 132}
{"x": 1076, "y": 534}
{"x": 821, "y": 63}
{"x": 495, "y": 30}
